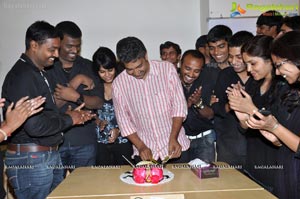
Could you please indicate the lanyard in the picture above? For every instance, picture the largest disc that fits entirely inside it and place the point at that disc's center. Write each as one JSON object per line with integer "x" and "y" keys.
{"x": 45, "y": 79}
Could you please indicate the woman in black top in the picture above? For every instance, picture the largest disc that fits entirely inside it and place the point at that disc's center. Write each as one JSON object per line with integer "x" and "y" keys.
{"x": 284, "y": 125}
{"x": 261, "y": 154}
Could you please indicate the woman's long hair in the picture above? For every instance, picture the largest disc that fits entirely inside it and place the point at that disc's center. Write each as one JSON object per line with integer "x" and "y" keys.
{"x": 288, "y": 47}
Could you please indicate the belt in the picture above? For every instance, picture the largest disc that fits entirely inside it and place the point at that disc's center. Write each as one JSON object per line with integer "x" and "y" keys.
{"x": 200, "y": 135}
{"x": 30, "y": 148}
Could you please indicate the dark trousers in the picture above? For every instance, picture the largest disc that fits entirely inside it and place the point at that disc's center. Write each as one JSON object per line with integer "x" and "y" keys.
{"x": 111, "y": 154}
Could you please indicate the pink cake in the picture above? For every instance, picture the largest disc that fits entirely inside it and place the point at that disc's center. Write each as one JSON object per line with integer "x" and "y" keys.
{"x": 147, "y": 172}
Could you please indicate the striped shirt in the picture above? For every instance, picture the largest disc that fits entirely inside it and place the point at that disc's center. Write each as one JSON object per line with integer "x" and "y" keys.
{"x": 147, "y": 106}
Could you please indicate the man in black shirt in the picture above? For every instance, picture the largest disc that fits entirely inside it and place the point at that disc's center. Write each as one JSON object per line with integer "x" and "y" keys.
{"x": 79, "y": 146}
{"x": 217, "y": 39}
{"x": 231, "y": 143}
{"x": 32, "y": 157}
{"x": 198, "y": 124}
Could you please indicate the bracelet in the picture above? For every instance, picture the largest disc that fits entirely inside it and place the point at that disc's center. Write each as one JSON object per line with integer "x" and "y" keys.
{"x": 276, "y": 125}
{"x": 3, "y": 133}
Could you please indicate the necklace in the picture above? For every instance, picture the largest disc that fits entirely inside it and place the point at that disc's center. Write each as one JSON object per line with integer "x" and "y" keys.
{"x": 67, "y": 70}
{"x": 187, "y": 86}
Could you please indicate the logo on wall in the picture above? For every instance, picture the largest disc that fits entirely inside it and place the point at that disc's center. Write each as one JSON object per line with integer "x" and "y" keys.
{"x": 236, "y": 10}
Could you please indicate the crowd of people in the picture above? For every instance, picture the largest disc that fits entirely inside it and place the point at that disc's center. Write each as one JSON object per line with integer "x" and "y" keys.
{"x": 233, "y": 98}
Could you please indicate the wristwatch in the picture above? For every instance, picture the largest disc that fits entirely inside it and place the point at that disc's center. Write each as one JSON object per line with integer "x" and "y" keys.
{"x": 199, "y": 105}
{"x": 80, "y": 100}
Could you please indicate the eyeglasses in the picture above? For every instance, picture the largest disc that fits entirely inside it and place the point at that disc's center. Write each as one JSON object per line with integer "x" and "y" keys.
{"x": 278, "y": 65}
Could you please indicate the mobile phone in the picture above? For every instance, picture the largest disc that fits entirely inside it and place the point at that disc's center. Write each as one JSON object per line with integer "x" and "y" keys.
{"x": 264, "y": 112}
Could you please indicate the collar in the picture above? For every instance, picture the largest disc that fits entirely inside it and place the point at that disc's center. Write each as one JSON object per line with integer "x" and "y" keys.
{"x": 153, "y": 71}
{"x": 57, "y": 62}
{"x": 24, "y": 58}
{"x": 73, "y": 70}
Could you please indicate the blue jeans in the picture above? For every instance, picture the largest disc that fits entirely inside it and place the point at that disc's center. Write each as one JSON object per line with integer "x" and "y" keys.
{"x": 203, "y": 148}
{"x": 33, "y": 174}
{"x": 78, "y": 156}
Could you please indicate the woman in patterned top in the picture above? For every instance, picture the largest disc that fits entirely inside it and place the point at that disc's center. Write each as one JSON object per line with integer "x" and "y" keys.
{"x": 111, "y": 145}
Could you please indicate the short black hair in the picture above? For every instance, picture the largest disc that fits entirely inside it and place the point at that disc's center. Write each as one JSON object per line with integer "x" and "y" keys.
{"x": 201, "y": 41}
{"x": 130, "y": 49}
{"x": 194, "y": 53}
{"x": 219, "y": 32}
{"x": 169, "y": 44}
{"x": 68, "y": 28}
{"x": 104, "y": 57}
{"x": 240, "y": 38}
{"x": 292, "y": 22}
{"x": 39, "y": 32}
{"x": 270, "y": 18}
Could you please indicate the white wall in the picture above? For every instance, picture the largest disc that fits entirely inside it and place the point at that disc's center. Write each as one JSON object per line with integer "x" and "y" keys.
{"x": 236, "y": 24}
{"x": 103, "y": 22}
{"x": 204, "y": 14}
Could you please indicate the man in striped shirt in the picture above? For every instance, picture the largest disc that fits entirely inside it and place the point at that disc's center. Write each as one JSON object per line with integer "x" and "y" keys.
{"x": 150, "y": 105}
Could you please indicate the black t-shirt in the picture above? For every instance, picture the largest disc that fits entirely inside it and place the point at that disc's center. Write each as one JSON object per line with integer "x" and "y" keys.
{"x": 195, "y": 123}
{"x": 231, "y": 143}
{"x": 287, "y": 180}
{"x": 81, "y": 134}
{"x": 44, "y": 128}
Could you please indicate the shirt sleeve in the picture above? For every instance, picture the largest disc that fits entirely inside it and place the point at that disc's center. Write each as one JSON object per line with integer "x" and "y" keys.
{"x": 122, "y": 111}
{"x": 47, "y": 123}
{"x": 85, "y": 67}
{"x": 178, "y": 101}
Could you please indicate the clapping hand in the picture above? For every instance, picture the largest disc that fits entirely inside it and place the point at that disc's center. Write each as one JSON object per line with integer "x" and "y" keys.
{"x": 16, "y": 115}
{"x": 195, "y": 97}
{"x": 80, "y": 116}
{"x": 240, "y": 100}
